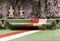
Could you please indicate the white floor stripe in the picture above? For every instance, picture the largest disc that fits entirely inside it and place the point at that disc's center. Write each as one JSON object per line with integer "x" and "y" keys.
{"x": 18, "y": 35}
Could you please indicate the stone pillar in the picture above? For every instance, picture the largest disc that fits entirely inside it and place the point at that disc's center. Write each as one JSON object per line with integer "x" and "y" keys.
{"x": 21, "y": 12}
{"x": 11, "y": 11}
{"x": 4, "y": 11}
{"x": 59, "y": 8}
{"x": 52, "y": 8}
{"x": 41, "y": 9}
{"x": 4, "y": 14}
{"x": 0, "y": 11}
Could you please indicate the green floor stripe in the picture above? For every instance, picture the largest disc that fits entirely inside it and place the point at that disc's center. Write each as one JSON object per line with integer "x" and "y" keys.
{"x": 48, "y": 35}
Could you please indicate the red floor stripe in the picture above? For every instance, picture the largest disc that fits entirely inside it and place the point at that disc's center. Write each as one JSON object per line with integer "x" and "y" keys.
{"x": 13, "y": 33}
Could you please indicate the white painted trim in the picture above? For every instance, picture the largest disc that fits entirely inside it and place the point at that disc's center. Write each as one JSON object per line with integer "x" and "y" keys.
{"x": 29, "y": 19}
{"x": 20, "y": 23}
{"x": 40, "y": 24}
{"x": 42, "y": 21}
{"x": 34, "y": 24}
{"x": 18, "y": 35}
{"x": 18, "y": 19}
